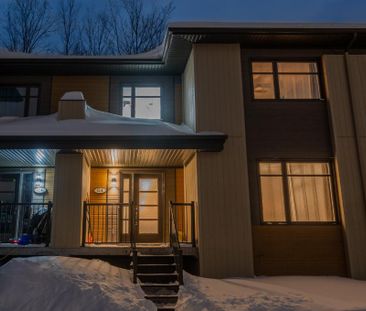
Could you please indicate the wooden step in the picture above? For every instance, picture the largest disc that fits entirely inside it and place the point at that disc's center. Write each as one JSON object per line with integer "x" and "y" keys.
{"x": 163, "y": 299}
{"x": 158, "y": 288}
{"x": 162, "y": 278}
{"x": 155, "y": 259}
{"x": 156, "y": 268}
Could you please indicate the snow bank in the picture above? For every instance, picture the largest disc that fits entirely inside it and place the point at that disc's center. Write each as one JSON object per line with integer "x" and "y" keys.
{"x": 64, "y": 283}
{"x": 97, "y": 123}
{"x": 272, "y": 293}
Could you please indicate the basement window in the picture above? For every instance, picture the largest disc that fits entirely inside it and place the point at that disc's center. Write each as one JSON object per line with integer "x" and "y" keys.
{"x": 285, "y": 80}
{"x": 141, "y": 102}
{"x": 296, "y": 192}
{"x": 18, "y": 101}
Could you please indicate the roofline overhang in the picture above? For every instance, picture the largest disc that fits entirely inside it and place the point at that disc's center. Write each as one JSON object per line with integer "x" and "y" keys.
{"x": 209, "y": 143}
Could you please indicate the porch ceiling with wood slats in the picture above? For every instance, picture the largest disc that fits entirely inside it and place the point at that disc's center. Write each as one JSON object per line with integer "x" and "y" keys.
{"x": 99, "y": 157}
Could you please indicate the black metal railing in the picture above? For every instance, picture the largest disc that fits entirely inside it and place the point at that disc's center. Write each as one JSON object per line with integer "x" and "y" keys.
{"x": 174, "y": 242}
{"x": 185, "y": 218}
{"x": 25, "y": 223}
{"x": 107, "y": 223}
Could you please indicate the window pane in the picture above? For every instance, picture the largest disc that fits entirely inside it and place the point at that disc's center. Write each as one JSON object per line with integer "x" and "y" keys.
{"x": 127, "y": 91}
{"x": 12, "y": 108}
{"x": 263, "y": 86}
{"x": 148, "y": 184}
{"x": 311, "y": 198}
{"x": 299, "y": 86}
{"x": 297, "y": 67}
{"x": 148, "y": 227}
{"x": 147, "y": 108}
{"x": 148, "y": 212}
{"x": 34, "y": 91}
{"x": 126, "y": 106}
{"x": 148, "y": 198}
{"x": 147, "y": 91}
{"x": 262, "y": 67}
{"x": 308, "y": 168}
{"x": 273, "y": 206}
{"x": 270, "y": 168}
{"x": 126, "y": 197}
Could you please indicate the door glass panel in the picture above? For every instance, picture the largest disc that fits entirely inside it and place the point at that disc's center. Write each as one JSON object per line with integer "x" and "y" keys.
{"x": 148, "y": 184}
{"x": 148, "y": 201}
{"x": 149, "y": 212}
{"x": 148, "y": 198}
{"x": 148, "y": 227}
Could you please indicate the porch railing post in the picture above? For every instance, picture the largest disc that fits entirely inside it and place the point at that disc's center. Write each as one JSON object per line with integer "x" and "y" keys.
{"x": 84, "y": 223}
{"x": 48, "y": 223}
{"x": 193, "y": 224}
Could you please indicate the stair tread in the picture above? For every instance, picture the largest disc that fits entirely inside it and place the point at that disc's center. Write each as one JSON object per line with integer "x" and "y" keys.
{"x": 156, "y": 264}
{"x": 162, "y": 296}
{"x": 154, "y": 255}
{"x": 155, "y": 274}
{"x": 159, "y": 284}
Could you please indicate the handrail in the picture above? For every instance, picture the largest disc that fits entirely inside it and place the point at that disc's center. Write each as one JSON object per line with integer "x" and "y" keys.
{"x": 174, "y": 243}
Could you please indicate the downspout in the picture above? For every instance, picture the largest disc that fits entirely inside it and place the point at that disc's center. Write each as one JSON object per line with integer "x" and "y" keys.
{"x": 350, "y": 97}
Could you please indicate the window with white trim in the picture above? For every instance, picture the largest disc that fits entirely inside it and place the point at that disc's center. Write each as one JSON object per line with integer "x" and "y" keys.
{"x": 142, "y": 102}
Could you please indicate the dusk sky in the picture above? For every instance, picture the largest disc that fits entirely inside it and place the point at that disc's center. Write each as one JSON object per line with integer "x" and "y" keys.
{"x": 260, "y": 10}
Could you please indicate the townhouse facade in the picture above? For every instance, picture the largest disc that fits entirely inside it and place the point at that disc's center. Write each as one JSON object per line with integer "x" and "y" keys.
{"x": 251, "y": 135}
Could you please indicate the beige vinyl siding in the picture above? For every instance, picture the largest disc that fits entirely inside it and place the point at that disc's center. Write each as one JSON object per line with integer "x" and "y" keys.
{"x": 94, "y": 88}
{"x": 71, "y": 175}
{"x": 188, "y": 94}
{"x": 225, "y": 237}
{"x": 49, "y": 184}
{"x": 353, "y": 212}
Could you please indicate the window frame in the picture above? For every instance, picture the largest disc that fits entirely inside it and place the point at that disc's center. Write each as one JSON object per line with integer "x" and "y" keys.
{"x": 27, "y": 96}
{"x": 133, "y": 87}
{"x": 286, "y": 195}
{"x": 276, "y": 90}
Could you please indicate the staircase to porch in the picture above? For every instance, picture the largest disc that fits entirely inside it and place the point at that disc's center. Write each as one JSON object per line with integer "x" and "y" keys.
{"x": 160, "y": 272}
{"x": 159, "y": 277}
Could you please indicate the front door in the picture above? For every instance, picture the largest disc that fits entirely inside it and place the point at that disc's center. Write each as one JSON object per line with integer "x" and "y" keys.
{"x": 145, "y": 191}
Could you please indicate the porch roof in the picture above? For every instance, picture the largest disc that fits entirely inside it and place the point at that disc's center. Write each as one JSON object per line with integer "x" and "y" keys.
{"x": 98, "y": 157}
{"x": 100, "y": 130}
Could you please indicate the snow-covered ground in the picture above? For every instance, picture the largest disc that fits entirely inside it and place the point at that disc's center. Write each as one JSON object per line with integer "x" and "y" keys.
{"x": 272, "y": 293}
{"x": 67, "y": 284}
{"x": 73, "y": 284}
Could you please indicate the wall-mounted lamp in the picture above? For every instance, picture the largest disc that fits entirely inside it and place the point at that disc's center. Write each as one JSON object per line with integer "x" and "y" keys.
{"x": 114, "y": 182}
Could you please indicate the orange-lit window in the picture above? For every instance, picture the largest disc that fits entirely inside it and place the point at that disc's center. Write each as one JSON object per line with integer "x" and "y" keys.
{"x": 285, "y": 80}
{"x": 296, "y": 192}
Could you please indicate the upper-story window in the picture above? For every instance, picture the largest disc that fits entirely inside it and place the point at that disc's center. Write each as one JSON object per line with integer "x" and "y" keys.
{"x": 141, "y": 102}
{"x": 281, "y": 80}
{"x": 293, "y": 192}
{"x": 19, "y": 101}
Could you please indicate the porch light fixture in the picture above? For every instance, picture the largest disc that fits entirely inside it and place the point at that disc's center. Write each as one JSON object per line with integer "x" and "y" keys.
{"x": 113, "y": 182}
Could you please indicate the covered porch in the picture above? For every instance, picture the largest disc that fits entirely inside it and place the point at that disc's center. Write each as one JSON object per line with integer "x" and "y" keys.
{"x": 120, "y": 190}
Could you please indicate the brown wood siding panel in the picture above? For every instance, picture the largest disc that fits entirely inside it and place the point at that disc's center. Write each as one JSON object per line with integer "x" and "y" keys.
{"x": 353, "y": 213}
{"x": 299, "y": 250}
{"x": 98, "y": 178}
{"x": 288, "y": 130}
{"x": 225, "y": 244}
{"x": 94, "y": 88}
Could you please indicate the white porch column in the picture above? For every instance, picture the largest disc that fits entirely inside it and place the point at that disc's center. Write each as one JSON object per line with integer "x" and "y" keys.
{"x": 72, "y": 174}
